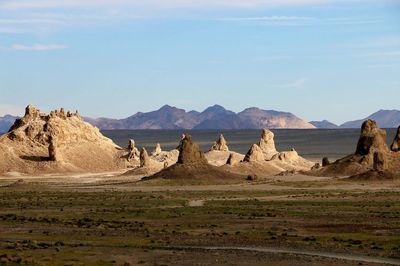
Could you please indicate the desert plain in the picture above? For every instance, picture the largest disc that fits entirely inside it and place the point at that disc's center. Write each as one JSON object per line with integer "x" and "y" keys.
{"x": 69, "y": 196}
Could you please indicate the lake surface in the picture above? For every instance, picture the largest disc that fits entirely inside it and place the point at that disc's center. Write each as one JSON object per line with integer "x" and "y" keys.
{"x": 310, "y": 143}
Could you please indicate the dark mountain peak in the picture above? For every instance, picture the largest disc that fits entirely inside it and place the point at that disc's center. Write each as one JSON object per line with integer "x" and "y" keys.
{"x": 215, "y": 109}
{"x": 168, "y": 108}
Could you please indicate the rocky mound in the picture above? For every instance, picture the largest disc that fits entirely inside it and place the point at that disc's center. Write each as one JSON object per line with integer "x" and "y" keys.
{"x": 396, "y": 142}
{"x": 264, "y": 160}
{"x": 192, "y": 164}
{"x": 372, "y": 154}
{"x": 58, "y": 142}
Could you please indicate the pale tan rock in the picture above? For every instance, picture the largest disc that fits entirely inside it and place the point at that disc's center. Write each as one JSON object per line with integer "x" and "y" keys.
{"x": 189, "y": 152}
{"x": 54, "y": 154}
{"x": 371, "y": 139}
{"x": 220, "y": 144}
{"x": 134, "y": 153}
{"x": 255, "y": 154}
{"x": 234, "y": 159}
{"x": 157, "y": 150}
{"x": 144, "y": 158}
{"x": 267, "y": 144}
{"x": 29, "y": 145}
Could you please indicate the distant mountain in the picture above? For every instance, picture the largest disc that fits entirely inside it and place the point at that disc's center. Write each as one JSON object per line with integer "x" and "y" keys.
{"x": 384, "y": 119}
{"x": 6, "y": 122}
{"x": 214, "y": 117}
{"x": 324, "y": 124}
{"x": 258, "y": 118}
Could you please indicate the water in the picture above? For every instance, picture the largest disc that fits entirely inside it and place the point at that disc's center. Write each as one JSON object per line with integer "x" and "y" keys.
{"x": 312, "y": 144}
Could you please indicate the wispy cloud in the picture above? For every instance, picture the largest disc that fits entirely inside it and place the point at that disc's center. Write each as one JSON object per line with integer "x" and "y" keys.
{"x": 299, "y": 20}
{"x": 295, "y": 84}
{"x": 29, "y": 4}
{"x": 38, "y": 47}
{"x": 267, "y": 18}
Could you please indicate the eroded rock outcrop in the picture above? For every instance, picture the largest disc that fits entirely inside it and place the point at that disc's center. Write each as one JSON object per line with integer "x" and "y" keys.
{"x": 58, "y": 142}
{"x": 267, "y": 144}
{"x": 133, "y": 152}
{"x": 396, "y": 142}
{"x": 372, "y": 155}
{"x": 220, "y": 144}
{"x": 189, "y": 152}
{"x": 144, "y": 158}
{"x": 233, "y": 159}
{"x": 371, "y": 139}
{"x": 157, "y": 150}
{"x": 192, "y": 164}
{"x": 255, "y": 154}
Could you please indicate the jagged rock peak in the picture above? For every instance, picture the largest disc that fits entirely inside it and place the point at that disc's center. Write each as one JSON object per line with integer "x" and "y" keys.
{"x": 157, "y": 150}
{"x": 220, "y": 145}
{"x": 189, "y": 152}
{"x": 267, "y": 144}
{"x": 396, "y": 142}
{"x": 255, "y": 154}
{"x": 133, "y": 151}
{"x": 371, "y": 139}
{"x": 144, "y": 158}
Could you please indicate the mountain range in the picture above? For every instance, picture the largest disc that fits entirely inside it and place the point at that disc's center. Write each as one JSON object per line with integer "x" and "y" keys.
{"x": 214, "y": 117}
{"x": 217, "y": 117}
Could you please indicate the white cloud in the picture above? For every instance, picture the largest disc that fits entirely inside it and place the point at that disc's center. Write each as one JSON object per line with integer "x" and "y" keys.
{"x": 9, "y": 109}
{"x": 298, "y": 83}
{"x": 38, "y": 47}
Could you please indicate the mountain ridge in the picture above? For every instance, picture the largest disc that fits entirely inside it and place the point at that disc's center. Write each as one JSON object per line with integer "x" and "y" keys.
{"x": 217, "y": 117}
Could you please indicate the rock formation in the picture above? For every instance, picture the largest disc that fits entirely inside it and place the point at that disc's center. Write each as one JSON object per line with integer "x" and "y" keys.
{"x": 372, "y": 155}
{"x": 396, "y": 142}
{"x": 192, "y": 164}
{"x": 234, "y": 159}
{"x": 190, "y": 153}
{"x": 220, "y": 145}
{"x": 144, "y": 158}
{"x": 380, "y": 161}
{"x": 157, "y": 150}
{"x": 371, "y": 139}
{"x": 255, "y": 154}
{"x": 325, "y": 162}
{"x": 267, "y": 144}
{"x": 54, "y": 155}
{"x": 54, "y": 143}
{"x": 133, "y": 151}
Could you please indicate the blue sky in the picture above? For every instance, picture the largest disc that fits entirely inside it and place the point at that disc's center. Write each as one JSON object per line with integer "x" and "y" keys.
{"x": 319, "y": 59}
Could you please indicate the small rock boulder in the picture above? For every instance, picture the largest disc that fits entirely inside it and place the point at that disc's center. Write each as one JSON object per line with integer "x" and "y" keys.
{"x": 396, "y": 142}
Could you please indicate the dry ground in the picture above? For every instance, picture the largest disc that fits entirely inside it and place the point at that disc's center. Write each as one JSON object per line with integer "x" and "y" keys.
{"x": 109, "y": 220}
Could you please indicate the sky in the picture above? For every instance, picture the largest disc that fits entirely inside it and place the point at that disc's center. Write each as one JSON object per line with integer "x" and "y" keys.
{"x": 319, "y": 59}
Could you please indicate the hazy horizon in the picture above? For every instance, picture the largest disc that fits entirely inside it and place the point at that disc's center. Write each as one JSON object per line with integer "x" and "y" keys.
{"x": 318, "y": 59}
